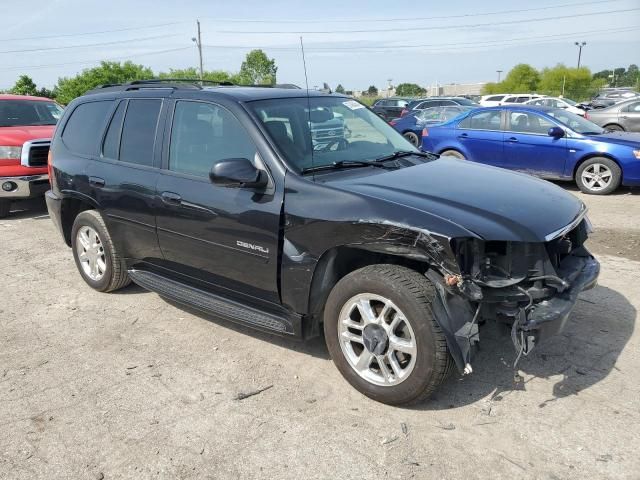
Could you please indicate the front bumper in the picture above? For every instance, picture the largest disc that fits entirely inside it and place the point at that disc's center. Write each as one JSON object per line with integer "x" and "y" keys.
{"x": 24, "y": 187}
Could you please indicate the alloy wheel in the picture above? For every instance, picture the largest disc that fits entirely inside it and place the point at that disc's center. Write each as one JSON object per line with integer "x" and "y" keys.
{"x": 91, "y": 253}
{"x": 597, "y": 177}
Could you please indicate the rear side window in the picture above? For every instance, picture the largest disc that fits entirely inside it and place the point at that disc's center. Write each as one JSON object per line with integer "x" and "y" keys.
{"x": 495, "y": 98}
{"x": 111, "y": 145}
{"x": 139, "y": 131}
{"x": 84, "y": 128}
{"x": 482, "y": 121}
{"x": 634, "y": 107}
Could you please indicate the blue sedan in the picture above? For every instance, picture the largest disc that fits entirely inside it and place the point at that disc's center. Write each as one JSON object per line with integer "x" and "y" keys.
{"x": 411, "y": 125}
{"x": 547, "y": 142}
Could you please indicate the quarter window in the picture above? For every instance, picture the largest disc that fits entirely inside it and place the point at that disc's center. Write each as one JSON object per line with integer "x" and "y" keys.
{"x": 529, "y": 123}
{"x": 139, "y": 131}
{"x": 84, "y": 128}
{"x": 203, "y": 134}
{"x": 111, "y": 145}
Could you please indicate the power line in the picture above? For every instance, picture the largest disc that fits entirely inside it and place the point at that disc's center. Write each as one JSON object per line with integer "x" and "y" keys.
{"x": 434, "y": 45}
{"x": 412, "y": 19}
{"x": 91, "y": 33}
{"x": 129, "y": 40}
{"x": 438, "y": 27}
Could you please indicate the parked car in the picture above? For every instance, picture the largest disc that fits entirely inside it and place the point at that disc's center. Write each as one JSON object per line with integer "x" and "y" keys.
{"x": 506, "y": 99}
{"x": 424, "y": 103}
{"x": 556, "y": 102}
{"x": 623, "y": 116}
{"x": 26, "y": 127}
{"x": 492, "y": 100}
{"x": 217, "y": 199}
{"x": 607, "y": 98}
{"x": 547, "y": 142}
{"x": 410, "y": 126}
{"x": 390, "y": 108}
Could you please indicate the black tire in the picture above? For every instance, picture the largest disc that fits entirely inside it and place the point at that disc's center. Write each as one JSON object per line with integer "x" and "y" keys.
{"x": 616, "y": 176}
{"x": 413, "y": 138}
{"x": 453, "y": 153}
{"x": 413, "y": 294}
{"x": 5, "y": 208}
{"x": 614, "y": 127}
{"x": 115, "y": 274}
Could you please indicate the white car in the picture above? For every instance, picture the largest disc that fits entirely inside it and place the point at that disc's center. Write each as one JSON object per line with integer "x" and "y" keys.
{"x": 506, "y": 99}
{"x": 556, "y": 102}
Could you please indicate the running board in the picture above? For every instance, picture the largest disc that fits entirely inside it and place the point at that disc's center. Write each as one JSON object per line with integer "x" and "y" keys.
{"x": 211, "y": 303}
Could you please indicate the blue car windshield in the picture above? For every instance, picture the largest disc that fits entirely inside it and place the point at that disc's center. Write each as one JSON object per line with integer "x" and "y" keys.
{"x": 575, "y": 122}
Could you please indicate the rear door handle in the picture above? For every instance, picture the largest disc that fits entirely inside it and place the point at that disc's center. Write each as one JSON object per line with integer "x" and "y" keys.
{"x": 96, "y": 181}
{"x": 171, "y": 198}
{"x": 512, "y": 140}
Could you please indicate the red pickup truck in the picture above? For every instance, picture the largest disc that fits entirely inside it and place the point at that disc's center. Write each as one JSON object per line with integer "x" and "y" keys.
{"x": 26, "y": 128}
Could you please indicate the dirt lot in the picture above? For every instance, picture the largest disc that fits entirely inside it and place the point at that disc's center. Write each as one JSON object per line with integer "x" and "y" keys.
{"x": 127, "y": 385}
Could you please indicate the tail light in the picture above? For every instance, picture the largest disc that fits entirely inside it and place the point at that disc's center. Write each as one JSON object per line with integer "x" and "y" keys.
{"x": 425, "y": 132}
{"x": 403, "y": 112}
{"x": 393, "y": 122}
{"x": 50, "y": 166}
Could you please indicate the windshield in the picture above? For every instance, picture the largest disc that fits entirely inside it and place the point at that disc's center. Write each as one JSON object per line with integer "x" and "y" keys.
{"x": 466, "y": 102}
{"x": 570, "y": 102}
{"x": 335, "y": 129}
{"x": 575, "y": 122}
{"x": 15, "y": 113}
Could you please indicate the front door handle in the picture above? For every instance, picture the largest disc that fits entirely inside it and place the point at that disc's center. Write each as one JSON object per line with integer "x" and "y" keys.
{"x": 512, "y": 140}
{"x": 171, "y": 198}
{"x": 96, "y": 181}
{"x": 463, "y": 135}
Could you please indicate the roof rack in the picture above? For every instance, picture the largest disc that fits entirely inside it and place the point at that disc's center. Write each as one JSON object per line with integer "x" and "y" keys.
{"x": 173, "y": 83}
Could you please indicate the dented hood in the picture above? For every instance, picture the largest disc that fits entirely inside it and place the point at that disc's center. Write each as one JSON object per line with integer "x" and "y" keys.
{"x": 493, "y": 203}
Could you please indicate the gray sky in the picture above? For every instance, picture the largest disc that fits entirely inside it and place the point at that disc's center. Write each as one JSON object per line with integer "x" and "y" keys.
{"x": 355, "y": 43}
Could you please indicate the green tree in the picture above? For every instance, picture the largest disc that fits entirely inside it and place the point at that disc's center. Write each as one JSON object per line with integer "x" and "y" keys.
{"x": 372, "y": 91}
{"x": 574, "y": 83}
{"x": 522, "y": 78}
{"x": 69, "y": 88}
{"x": 24, "y": 86}
{"x": 409, "y": 90}
{"x": 194, "y": 74}
{"x": 258, "y": 69}
{"x": 340, "y": 88}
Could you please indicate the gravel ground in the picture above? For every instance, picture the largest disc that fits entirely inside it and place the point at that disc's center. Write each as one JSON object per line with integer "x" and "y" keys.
{"x": 126, "y": 385}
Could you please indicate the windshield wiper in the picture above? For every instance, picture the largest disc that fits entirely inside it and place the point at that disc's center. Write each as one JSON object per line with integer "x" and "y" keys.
{"x": 346, "y": 164}
{"x": 405, "y": 153}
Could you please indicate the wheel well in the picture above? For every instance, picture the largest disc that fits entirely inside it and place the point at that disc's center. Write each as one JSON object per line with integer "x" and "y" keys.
{"x": 337, "y": 262}
{"x": 71, "y": 207}
{"x": 596, "y": 155}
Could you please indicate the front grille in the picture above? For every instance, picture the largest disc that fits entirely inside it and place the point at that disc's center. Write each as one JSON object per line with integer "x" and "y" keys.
{"x": 38, "y": 155}
{"x": 35, "y": 153}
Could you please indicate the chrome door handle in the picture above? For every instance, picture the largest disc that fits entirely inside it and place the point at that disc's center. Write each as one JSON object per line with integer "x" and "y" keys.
{"x": 171, "y": 198}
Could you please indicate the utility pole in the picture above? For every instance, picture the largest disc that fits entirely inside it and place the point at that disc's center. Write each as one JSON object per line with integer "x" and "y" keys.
{"x": 389, "y": 80}
{"x": 580, "y": 45}
{"x": 198, "y": 42}
{"x": 499, "y": 72}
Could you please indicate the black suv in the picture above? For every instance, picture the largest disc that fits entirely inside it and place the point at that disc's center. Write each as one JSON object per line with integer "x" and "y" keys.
{"x": 390, "y": 108}
{"x": 221, "y": 199}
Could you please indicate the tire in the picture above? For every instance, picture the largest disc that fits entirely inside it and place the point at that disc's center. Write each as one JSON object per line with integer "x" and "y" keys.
{"x": 614, "y": 128}
{"x": 408, "y": 293}
{"x": 453, "y": 153}
{"x": 110, "y": 269}
{"x": 5, "y": 208}
{"x": 596, "y": 166}
{"x": 413, "y": 138}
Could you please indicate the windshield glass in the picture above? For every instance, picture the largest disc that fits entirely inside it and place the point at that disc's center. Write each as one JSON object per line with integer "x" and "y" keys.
{"x": 335, "y": 129}
{"x": 28, "y": 112}
{"x": 570, "y": 102}
{"x": 575, "y": 122}
{"x": 466, "y": 102}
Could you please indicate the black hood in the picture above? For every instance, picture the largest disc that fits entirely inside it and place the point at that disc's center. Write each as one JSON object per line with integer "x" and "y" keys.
{"x": 493, "y": 203}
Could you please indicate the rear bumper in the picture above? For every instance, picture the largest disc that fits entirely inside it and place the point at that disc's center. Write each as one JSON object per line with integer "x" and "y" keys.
{"x": 23, "y": 187}
{"x": 54, "y": 206}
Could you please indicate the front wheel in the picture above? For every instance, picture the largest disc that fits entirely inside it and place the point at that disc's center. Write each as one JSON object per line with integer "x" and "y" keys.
{"x": 382, "y": 336}
{"x": 614, "y": 128}
{"x": 413, "y": 138}
{"x": 453, "y": 153}
{"x": 598, "y": 176}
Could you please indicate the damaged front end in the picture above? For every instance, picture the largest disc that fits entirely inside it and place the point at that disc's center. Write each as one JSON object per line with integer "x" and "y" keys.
{"x": 533, "y": 286}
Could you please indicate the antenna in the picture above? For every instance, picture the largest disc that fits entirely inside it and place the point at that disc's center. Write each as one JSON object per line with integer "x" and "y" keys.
{"x": 306, "y": 81}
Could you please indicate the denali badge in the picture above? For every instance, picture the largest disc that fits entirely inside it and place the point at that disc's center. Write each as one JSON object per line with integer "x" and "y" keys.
{"x": 242, "y": 244}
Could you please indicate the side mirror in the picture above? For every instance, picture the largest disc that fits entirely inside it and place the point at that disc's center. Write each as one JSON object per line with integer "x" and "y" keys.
{"x": 556, "y": 132}
{"x": 237, "y": 172}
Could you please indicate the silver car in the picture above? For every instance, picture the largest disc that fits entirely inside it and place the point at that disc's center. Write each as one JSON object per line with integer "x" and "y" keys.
{"x": 623, "y": 116}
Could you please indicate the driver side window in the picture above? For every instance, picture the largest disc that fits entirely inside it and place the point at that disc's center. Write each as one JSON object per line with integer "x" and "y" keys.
{"x": 203, "y": 134}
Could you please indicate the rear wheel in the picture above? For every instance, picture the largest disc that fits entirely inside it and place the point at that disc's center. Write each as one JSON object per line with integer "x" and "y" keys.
{"x": 413, "y": 138}
{"x": 453, "y": 153}
{"x": 5, "y": 208}
{"x": 614, "y": 128}
{"x": 598, "y": 176}
{"x": 382, "y": 336}
{"x": 98, "y": 261}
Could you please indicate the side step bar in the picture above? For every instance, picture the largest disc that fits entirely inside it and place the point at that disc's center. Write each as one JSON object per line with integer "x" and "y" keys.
{"x": 211, "y": 303}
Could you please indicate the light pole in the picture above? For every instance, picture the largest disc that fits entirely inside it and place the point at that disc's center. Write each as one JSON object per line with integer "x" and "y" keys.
{"x": 198, "y": 41}
{"x": 499, "y": 72}
{"x": 389, "y": 80}
{"x": 580, "y": 45}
